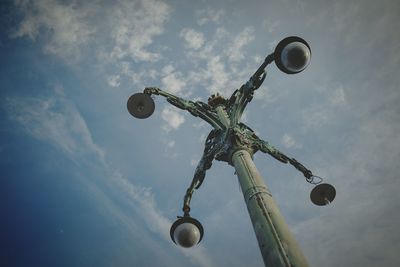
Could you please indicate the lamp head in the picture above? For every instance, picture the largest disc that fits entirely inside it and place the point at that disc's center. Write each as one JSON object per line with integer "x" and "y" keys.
{"x": 140, "y": 105}
{"x": 292, "y": 55}
{"x": 323, "y": 194}
{"x": 186, "y": 232}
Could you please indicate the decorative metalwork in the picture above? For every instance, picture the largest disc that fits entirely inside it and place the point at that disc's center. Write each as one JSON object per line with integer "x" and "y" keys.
{"x": 234, "y": 142}
{"x": 228, "y": 133}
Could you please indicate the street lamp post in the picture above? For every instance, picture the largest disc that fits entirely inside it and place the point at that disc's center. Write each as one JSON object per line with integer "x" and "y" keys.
{"x": 235, "y": 143}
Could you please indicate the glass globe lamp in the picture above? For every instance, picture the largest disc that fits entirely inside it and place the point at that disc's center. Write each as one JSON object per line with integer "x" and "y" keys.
{"x": 292, "y": 55}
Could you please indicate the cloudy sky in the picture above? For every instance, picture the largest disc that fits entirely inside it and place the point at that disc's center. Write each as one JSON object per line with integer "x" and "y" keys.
{"x": 85, "y": 184}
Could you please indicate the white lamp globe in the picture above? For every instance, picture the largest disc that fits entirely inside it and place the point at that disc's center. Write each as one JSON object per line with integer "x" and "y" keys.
{"x": 292, "y": 55}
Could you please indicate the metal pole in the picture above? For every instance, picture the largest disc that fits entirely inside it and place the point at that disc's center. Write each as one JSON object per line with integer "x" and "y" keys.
{"x": 278, "y": 246}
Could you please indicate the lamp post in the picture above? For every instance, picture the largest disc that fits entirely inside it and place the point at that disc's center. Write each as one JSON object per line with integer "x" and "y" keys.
{"x": 235, "y": 143}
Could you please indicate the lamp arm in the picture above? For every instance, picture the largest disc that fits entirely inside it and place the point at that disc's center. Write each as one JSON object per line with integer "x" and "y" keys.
{"x": 211, "y": 149}
{"x": 268, "y": 60}
{"x": 241, "y": 97}
{"x": 197, "y": 109}
{"x": 198, "y": 178}
{"x": 265, "y": 147}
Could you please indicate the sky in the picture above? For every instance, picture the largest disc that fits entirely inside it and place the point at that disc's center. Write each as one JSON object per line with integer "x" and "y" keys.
{"x": 83, "y": 183}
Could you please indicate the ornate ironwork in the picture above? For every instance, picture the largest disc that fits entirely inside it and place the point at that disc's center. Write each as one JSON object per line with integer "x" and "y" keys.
{"x": 228, "y": 133}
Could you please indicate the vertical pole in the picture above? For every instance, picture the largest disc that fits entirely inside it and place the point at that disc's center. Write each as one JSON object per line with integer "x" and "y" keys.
{"x": 278, "y": 246}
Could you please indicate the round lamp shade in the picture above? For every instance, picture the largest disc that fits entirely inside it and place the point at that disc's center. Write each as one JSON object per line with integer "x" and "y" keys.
{"x": 140, "y": 105}
{"x": 323, "y": 194}
{"x": 186, "y": 232}
{"x": 292, "y": 55}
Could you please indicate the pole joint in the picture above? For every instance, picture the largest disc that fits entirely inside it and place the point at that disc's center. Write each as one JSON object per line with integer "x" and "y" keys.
{"x": 254, "y": 191}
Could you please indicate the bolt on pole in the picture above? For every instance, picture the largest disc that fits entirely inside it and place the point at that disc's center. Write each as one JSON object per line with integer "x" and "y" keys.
{"x": 277, "y": 245}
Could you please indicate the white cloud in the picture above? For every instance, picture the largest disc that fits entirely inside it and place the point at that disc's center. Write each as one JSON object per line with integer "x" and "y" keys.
{"x": 235, "y": 51}
{"x": 200, "y": 124}
{"x": 168, "y": 69}
{"x": 194, "y": 162}
{"x": 134, "y": 25}
{"x": 127, "y": 220}
{"x": 147, "y": 206}
{"x": 211, "y": 70}
{"x": 172, "y": 118}
{"x": 321, "y": 113}
{"x": 289, "y": 142}
{"x": 68, "y": 25}
{"x": 217, "y": 74}
{"x": 171, "y": 144}
{"x": 128, "y": 28}
{"x": 316, "y": 116}
{"x": 140, "y": 78}
{"x": 56, "y": 120}
{"x": 193, "y": 39}
{"x": 209, "y": 15}
{"x": 265, "y": 95}
{"x": 375, "y": 156}
{"x": 270, "y": 25}
{"x": 157, "y": 222}
{"x": 173, "y": 82}
{"x": 113, "y": 80}
{"x": 338, "y": 97}
{"x": 365, "y": 176}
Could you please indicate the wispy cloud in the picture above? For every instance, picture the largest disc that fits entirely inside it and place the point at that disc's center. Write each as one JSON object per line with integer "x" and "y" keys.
{"x": 157, "y": 222}
{"x": 362, "y": 162}
{"x": 134, "y": 24}
{"x": 193, "y": 39}
{"x": 333, "y": 100}
{"x": 270, "y": 25}
{"x": 56, "y": 120}
{"x": 172, "y": 80}
{"x": 113, "y": 80}
{"x": 209, "y": 15}
{"x": 235, "y": 50}
{"x": 44, "y": 119}
{"x": 289, "y": 142}
{"x": 365, "y": 177}
{"x": 172, "y": 118}
{"x": 216, "y": 65}
{"x": 70, "y": 27}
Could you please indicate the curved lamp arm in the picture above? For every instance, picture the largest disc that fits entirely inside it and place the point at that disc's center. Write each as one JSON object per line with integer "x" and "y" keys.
{"x": 241, "y": 97}
{"x": 198, "y": 178}
{"x": 197, "y": 109}
{"x": 210, "y": 151}
{"x": 265, "y": 147}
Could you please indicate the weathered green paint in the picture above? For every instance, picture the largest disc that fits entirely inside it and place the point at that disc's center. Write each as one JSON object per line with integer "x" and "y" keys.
{"x": 277, "y": 245}
{"x": 234, "y": 142}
